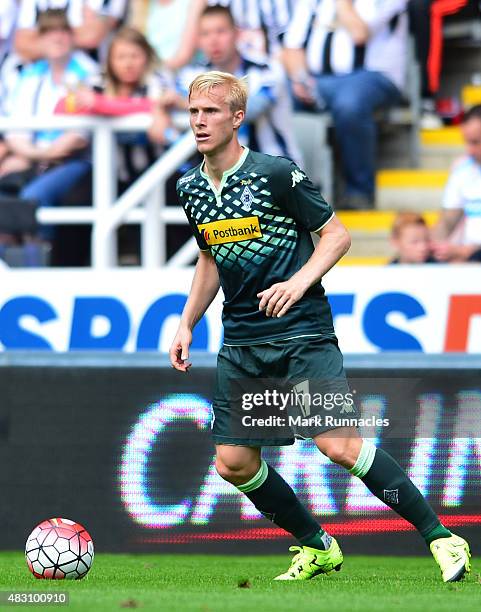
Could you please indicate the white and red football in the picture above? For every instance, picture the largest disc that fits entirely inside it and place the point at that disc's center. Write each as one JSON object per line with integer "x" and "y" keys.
{"x": 59, "y": 548}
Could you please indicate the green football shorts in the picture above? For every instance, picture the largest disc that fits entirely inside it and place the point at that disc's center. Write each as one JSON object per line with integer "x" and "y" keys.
{"x": 270, "y": 394}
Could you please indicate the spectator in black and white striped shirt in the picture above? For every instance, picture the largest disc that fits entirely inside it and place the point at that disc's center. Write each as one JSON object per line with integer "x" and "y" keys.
{"x": 348, "y": 56}
{"x": 92, "y": 21}
{"x": 262, "y": 23}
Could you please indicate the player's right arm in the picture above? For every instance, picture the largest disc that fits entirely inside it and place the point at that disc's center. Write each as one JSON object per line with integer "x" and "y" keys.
{"x": 205, "y": 286}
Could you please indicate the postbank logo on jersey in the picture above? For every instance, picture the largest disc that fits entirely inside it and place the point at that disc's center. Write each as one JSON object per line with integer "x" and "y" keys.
{"x": 230, "y": 230}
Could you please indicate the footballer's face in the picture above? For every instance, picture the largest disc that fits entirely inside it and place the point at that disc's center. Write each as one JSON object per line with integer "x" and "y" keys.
{"x": 472, "y": 137}
{"x": 212, "y": 120}
{"x": 218, "y": 39}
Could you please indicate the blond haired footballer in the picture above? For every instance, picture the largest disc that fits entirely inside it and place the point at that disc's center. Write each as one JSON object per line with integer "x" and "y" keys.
{"x": 252, "y": 216}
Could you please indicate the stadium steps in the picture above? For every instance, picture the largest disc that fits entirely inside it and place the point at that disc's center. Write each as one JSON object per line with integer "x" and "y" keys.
{"x": 421, "y": 188}
{"x": 370, "y": 232}
{"x": 410, "y": 189}
{"x": 440, "y": 148}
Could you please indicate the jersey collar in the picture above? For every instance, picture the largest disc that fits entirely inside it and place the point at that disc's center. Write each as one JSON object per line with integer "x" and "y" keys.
{"x": 225, "y": 175}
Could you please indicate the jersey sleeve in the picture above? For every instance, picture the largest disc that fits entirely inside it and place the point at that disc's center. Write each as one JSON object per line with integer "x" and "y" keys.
{"x": 298, "y": 197}
{"x": 201, "y": 243}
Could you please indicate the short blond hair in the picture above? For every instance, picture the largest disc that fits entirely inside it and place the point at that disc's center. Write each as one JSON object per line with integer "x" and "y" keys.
{"x": 237, "y": 88}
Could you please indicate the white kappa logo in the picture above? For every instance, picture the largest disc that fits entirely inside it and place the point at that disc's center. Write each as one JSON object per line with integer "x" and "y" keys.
{"x": 186, "y": 179}
{"x": 301, "y": 391}
{"x": 297, "y": 176}
{"x": 347, "y": 408}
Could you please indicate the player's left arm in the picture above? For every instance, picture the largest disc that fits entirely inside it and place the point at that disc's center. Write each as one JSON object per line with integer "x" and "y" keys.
{"x": 333, "y": 244}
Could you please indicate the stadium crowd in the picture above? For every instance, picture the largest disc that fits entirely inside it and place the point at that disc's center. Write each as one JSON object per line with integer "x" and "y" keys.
{"x": 117, "y": 57}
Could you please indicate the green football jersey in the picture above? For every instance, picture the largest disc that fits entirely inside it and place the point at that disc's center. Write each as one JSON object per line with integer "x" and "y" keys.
{"x": 257, "y": 227}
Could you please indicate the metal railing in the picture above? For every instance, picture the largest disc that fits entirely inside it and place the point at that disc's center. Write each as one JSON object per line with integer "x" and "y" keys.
{"x": 109, "y": 211}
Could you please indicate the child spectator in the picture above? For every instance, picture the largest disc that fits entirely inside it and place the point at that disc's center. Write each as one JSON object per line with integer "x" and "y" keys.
{"x": 410, "y": 239}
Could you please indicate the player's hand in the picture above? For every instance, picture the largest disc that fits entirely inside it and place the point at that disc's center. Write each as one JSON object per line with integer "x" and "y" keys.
{"x": 281, "y": 296}
{"x": 179, "y": 351}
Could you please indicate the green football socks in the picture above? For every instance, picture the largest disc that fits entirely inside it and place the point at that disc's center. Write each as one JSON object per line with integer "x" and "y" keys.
{"x": 385, "y": 478}
{"x": 320, "y": 540}
{"x": 276, "y": 500}
{"x": 382, "y": 475}
{"x": 439, "y": 531}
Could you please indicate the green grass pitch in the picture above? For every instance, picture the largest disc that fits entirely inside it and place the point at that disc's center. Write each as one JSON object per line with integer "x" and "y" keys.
{"x": 208, "y": 583}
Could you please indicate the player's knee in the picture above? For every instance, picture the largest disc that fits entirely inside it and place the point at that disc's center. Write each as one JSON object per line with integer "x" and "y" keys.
{"x": 338, "y": 451}
{"x": 337, "y": 454}
{"x": 232, "y": 470}
{"x": 343, "y": 449}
